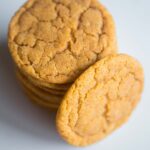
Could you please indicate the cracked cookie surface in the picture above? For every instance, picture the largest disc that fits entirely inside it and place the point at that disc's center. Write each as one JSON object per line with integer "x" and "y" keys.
{"x": 100, "y": 100}
{"x": 56, "y": 40}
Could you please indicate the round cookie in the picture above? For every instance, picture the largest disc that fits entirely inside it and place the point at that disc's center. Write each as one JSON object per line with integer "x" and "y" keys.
{"x": 44, "y": 85}
{"x": 55, "y": 41}
{"x": 49, "y": 98}
{"x": 49, "y": 86}
{"x": 100, "y": 100}
{"x": 34, "y": 98}
{"x": 38, "y": 100}
{"x": 60, "y": 92}
{"x": 40, "y": 91}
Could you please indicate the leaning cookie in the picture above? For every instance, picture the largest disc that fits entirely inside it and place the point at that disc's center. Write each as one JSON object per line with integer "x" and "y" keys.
{"x": 55, "y": 41}
{"x": 100, "y": 100}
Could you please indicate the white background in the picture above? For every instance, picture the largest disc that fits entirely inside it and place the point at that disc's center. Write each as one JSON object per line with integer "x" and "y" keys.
{"x": 24, "y": 126}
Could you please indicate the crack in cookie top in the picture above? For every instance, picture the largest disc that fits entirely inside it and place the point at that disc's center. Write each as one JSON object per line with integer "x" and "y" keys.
{"x": 56, "y": 40}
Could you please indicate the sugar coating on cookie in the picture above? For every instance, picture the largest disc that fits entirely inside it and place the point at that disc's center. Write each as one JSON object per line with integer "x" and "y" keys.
{"x": 100, "y": 100}
{"x": 56, "y": 40}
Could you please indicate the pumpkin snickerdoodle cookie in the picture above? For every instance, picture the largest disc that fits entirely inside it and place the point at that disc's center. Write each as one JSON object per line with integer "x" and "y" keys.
{"x": 43, "y": 91}
{"x": 48, "y": 86}
{"x": 43, "y": 97}
{"x": 54, "y": 41}
{"x": 100, "y": 100}
{"x": 39, "y": 101}
{"x": 51, "y": 103}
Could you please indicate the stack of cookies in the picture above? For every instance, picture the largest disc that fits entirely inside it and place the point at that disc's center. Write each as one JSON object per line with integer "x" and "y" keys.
{"x": 53, "y": 42}
{"x": 65, "y": 56}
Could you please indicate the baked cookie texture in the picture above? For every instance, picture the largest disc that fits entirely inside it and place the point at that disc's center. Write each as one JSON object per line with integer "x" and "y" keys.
{"x": 100, "y": 100}
{"x": 39, "y": 90}
{"x": 48, "y": 86}
{"x": 39, "y": 101}
{"x": 54, "y": 41}
{"x": 45, "y": 99}
{"x": 34, "y": 98}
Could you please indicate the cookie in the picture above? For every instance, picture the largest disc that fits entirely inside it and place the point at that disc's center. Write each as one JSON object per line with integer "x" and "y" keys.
{"x": 100, "y": 100}
{"x": 37, "y": 90}
{"x": 55, "y": 41}
{"x": 59, "y": 92}
{"x": 44, "y": 85}
{"x": 47, "y": 97}
{"x": 49, "y": 86}
{"x": 37, "y": 100}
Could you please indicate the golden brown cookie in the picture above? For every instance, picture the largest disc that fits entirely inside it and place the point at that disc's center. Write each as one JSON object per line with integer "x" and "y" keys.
{"x": 100, "y": 100}
{"x": 44, "y": 96}
{"x": 37, "y": 100}
{"x": 44, "y": 85}
{"x": 55, "y": 41}
{"x": 49, "y": 86}
{"x": 37, "y": 90}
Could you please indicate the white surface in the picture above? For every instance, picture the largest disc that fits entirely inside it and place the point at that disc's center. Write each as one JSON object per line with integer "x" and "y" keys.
{"x": 26, "y": 127}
